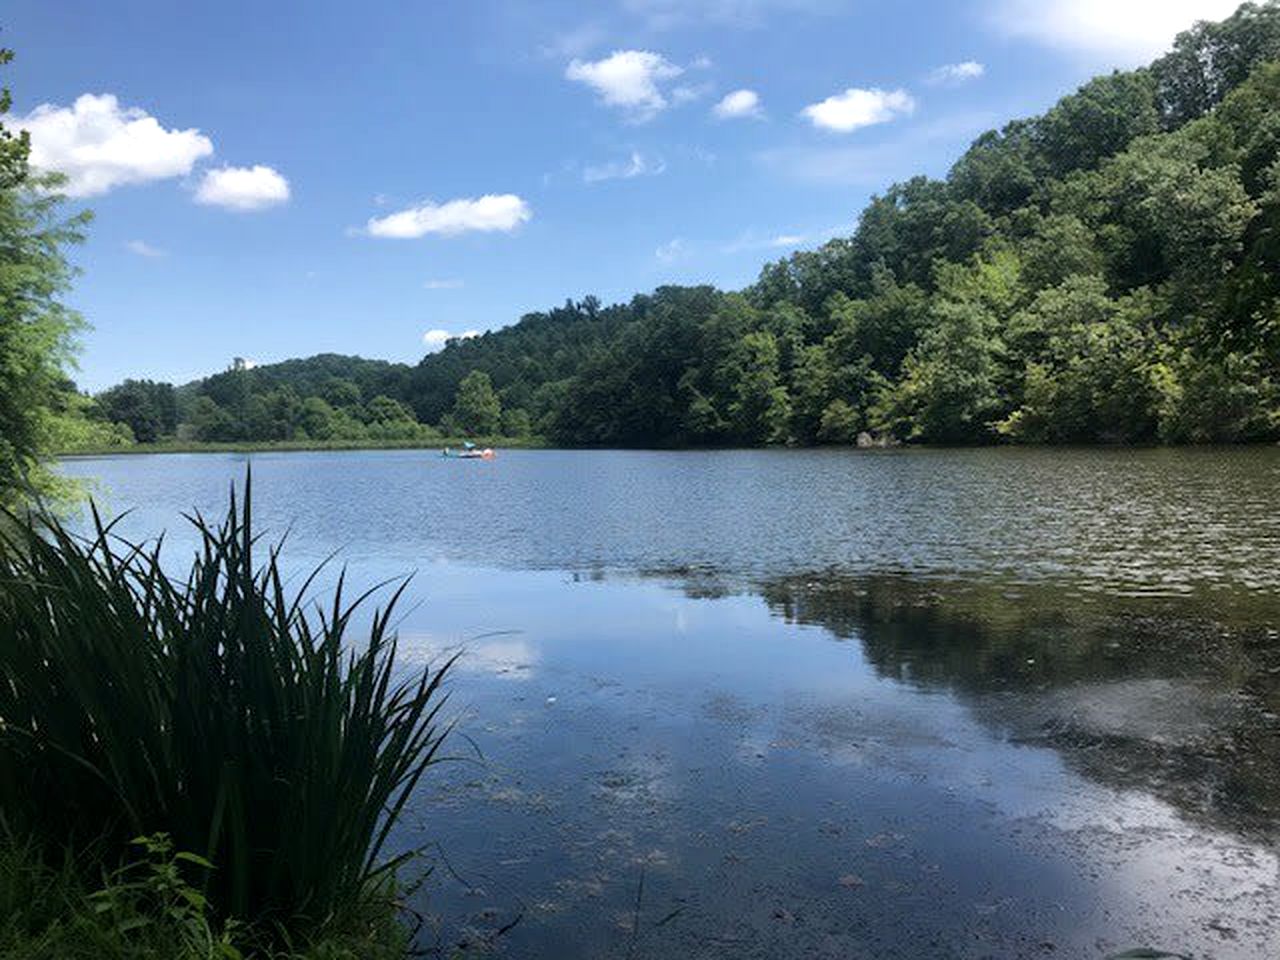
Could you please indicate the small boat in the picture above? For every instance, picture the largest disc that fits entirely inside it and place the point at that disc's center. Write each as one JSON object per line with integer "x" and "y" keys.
{"x": 469, "y": 451}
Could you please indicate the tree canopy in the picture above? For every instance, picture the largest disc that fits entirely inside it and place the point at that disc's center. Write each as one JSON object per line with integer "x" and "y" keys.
{"x": 37, "y": 331}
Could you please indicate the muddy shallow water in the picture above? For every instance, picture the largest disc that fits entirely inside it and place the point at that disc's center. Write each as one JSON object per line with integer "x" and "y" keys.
{"x": 792, "y": 704}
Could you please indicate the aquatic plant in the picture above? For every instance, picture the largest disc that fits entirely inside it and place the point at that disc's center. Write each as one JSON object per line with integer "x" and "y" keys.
{"x": 233, "y": 716}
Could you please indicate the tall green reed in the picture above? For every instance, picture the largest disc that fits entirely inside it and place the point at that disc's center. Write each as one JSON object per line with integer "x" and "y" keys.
{"x": 245, "y": 722}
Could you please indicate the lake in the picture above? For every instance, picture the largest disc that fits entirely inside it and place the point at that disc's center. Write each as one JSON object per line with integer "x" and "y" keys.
{"x": 903, "y": 703}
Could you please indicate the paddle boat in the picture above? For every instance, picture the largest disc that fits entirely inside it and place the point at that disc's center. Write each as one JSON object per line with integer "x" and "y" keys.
{"x": 469, "y": 451}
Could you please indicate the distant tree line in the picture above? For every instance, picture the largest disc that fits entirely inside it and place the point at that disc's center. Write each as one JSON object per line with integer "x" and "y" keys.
{"x": 1104, "y": 273}
{"x": 327, "y": 397}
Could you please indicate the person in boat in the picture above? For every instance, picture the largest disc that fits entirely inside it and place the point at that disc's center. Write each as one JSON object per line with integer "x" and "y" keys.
{"x": 468, "y": 452}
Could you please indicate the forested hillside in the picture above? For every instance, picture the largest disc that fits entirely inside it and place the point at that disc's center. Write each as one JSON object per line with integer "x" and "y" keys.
{"x": 1106, "y": 272}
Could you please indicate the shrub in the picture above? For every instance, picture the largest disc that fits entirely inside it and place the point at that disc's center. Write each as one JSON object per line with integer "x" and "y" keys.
{"x": 219, "y": 710}
{"x": 152, "y": 909}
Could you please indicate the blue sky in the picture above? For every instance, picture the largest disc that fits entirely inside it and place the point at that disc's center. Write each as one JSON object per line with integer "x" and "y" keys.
{"x": 282, "y": 179}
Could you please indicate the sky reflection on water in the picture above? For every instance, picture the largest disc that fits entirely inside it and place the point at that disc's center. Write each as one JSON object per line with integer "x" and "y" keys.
{"x": 788, "y": 797}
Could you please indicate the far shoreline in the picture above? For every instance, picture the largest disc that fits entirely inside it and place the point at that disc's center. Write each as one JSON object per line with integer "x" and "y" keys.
{"x": 541, "y": 443}
{"x": 295, "y": 446}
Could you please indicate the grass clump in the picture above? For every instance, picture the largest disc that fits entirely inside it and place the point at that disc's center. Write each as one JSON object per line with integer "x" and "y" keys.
{"x": 251, "y": 730}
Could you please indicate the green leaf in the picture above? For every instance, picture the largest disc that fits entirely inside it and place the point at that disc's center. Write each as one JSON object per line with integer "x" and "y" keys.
{"x": 195, "y": 858}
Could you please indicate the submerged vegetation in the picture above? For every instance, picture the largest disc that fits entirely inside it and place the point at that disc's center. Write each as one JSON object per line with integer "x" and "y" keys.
{"x": 256, "y": 736}
{"x": 1103, "y": 273}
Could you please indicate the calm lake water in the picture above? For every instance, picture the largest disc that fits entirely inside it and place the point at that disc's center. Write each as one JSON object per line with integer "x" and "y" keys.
{"x": 994, "y": 703}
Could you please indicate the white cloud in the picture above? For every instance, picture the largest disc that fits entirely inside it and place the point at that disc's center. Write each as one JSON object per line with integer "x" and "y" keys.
{"x": 637, "y": 165}
{"x": 787, "y": 240}
{"x": 492, "y": 212}
{"x": 243, "y": 188}
{"x": 627, "y": 79}
{"x": 856, "y": 108}
{"x": 100, "y": 145}
{"x": 739, "y": 103}
{"x": 443, "y": 285}
{"x": 436, "y": 339}
{"x": 956, "y": 73}
{"x": 144, "y": 249}
{"x": 672, "y": 250}
{"x": 1120, "y": 33}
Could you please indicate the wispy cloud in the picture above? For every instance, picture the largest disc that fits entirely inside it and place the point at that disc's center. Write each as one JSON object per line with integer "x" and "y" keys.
{"x": 574, "y": 42}
{"x": 1117, "y": 33}
{"x": 953, "y": 74}
{"x": 492, "y": 212}
{"x": 443, "y": 285}
{"x": 637, "y": 165}
{"x": 857, "y": 108}
{"x": 689, "y": 92}
{"x": 144, "y": 249}
{"x": 752, "y": 240}
{"x": 100, "y": 145}
{"x": 668, "y": 14}
{"x": 877, "y": 165}
{"x": 672, "y": 250}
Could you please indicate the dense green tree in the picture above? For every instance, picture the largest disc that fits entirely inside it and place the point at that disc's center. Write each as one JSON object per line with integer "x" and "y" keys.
{"x": 841, "y": 423}
{"x": 1232, "y": 397}
{"x": 948, "y": 390}
{"x": 37, "y": 331}
{"x": 810, "y": 393}
{"x": 912, "y": 225}
{"x": 149, "y": 409}
{"x": 76, "y": 424}
{"x": 516, "y": 422}
{"x": 210, "y": 423}
{"x": 1099, "y": 120}
{"x": 316, "y": 419}
{"x": 1088, "y": 375}
{"x": 1055, "y": 247}
{"x": 1001, "y": 171}
{"x": 1211, "y": 59}
{"x": 884, "y": 326}
{"x": 477, "y": 411}
{"x": 340, "y": 392}
{"x": 760, "y": 410}
{"x": 384, "y": 409}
